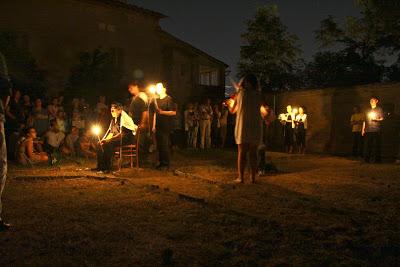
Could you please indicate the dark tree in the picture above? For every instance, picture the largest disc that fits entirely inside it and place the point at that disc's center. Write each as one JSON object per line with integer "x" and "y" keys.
{"x": 96, "y": 74}
{"x": 270, "y": 51}
{"x": 23, "y": 69}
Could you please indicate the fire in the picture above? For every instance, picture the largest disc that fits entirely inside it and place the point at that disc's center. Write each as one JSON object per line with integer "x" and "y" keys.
{"x": 96, "y": 129}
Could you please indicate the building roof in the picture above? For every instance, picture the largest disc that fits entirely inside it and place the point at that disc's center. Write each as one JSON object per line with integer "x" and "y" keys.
{"x": 191, "y": 47}
{"x": 126, "y": 5}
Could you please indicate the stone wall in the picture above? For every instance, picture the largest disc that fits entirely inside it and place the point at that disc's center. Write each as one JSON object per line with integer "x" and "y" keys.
{"x": 329, "y": 111}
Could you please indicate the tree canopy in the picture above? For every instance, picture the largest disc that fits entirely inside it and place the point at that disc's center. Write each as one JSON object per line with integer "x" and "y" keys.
{"x": 269, "y": 50}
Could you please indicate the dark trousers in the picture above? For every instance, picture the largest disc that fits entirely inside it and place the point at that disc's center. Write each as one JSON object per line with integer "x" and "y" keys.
{"x": 373, "y": 148}
{"x": 358, "y": 143}
{"x": 163, "y": 139}
{"x": 105, "y": 156}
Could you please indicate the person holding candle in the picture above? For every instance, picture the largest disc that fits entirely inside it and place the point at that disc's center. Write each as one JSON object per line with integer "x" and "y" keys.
{"x": 372, "y": 131}
{"x": 248, "y": 129}
{"x": 300, "y": 130}
{"x": 120, "y": 132}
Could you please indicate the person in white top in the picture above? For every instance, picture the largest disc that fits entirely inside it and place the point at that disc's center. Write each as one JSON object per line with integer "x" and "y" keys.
{"x": 248, "y": 129}
{"x": 300, "y": 130}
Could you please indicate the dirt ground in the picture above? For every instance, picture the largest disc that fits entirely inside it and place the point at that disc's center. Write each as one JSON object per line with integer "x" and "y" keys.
{"x": 317, "y": 210}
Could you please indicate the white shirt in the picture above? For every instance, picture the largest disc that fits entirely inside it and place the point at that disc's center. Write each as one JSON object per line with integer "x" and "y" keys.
{"x": 303, "y": 118}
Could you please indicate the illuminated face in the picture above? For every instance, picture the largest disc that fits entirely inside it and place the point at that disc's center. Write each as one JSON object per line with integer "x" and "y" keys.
{"x": 301, "y": 111}
{"x": 115, "y": 112}
{"x": 160, "y": 89}
{"x": 289, "y": 109}
{"x": 373, "y": 102}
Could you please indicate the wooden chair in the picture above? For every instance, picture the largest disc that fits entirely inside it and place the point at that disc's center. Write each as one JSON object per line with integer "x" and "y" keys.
{"x": 128, "y": 151}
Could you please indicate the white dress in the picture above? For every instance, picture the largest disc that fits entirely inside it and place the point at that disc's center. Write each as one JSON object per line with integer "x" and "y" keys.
{"x": 248, "y": 127}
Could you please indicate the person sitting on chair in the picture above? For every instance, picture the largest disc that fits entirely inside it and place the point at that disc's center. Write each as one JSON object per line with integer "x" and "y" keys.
{"x": 120, "y": 132}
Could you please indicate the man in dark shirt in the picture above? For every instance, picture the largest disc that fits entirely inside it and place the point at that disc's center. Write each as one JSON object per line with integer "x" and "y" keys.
{"x": 138, "y": 107}
{"x": 164, "y": 110}
{"x": 112, "y": 139}
{"x": 372, "y": 130}
{"x": 5, "y": 93}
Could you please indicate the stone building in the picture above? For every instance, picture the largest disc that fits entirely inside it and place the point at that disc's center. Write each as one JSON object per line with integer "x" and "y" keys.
{"x": 57, "y": 31}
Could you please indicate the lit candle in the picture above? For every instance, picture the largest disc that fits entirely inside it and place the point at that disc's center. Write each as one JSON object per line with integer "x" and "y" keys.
{"x": 372, "y": 115}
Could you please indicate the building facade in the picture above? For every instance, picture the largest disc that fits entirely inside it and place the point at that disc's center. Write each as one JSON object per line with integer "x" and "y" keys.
{"x": 57, "y": 31}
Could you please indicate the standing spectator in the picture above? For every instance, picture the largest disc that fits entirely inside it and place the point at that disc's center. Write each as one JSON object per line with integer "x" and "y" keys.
{"x": 39, "y": 118}
{"x": 248, "y": 129}
{"x": 196, "y": 125}
{"x": 205, "y": 124}
{"x": 30, "y": 150}
{"x": 189, "y": 118}
{"x": 356, "y": 121}
{"x": 223, "y": 125}
{"x": 52, "y": 108}
{"x": 372, "y": 130}
{"x": 5, "y": 93}
{"x": 215, "y": 127}
{"x": 164, "y": 110}
{"x": 14, "y": 114}
{"x": 300, "y": 130}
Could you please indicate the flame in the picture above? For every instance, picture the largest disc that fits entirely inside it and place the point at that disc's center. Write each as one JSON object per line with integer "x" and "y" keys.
{"x": 96, "y": 129}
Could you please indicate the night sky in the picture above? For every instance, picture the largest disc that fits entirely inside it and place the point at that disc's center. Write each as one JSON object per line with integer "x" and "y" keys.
{"x": 214, "y": 26}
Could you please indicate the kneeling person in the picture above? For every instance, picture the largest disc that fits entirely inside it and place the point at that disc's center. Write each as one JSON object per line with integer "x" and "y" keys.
{"x": 120, "y": 132}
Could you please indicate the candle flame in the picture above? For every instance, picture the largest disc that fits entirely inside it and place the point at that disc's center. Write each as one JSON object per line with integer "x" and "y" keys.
{"x": 96, "y": 129}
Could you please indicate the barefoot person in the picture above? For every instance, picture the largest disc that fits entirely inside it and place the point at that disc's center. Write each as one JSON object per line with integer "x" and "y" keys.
{"x": 5, "y": 94}
{"x": 248, "y": 129}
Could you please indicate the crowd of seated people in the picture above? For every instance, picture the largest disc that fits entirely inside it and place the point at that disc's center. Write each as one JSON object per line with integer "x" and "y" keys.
{"x": 40, "y": 133}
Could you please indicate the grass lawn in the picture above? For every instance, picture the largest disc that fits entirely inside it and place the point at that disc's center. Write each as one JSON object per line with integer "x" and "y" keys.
{"x": 317, "y": 210}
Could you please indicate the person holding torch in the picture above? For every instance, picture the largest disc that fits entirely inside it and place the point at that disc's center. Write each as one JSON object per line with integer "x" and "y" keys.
{"x": 372, "y": 130}
{"x": 164, "y": 112}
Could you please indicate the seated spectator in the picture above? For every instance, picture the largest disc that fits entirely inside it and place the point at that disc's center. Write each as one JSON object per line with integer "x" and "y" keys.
{"x": 39, "y": 118}
{"x": 71, "y": 142}
{"x": 87, "y": 145}
{"x": 61, "y": 121}
{"x": 29, "y": 150}
{"x": 101, "y": 106}
{"x": 26, "y": 106}
{"x": 54, "y": 139}
{"x": 52, "y": 108}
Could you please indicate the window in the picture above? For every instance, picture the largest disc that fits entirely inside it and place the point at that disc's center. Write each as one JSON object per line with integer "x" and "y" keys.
{"x": 209, "y": 77}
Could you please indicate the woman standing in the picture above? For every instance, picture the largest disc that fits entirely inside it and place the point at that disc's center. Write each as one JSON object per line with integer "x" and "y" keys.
{"x": 300, "y": 130}
{"x": 248, "y": 129}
